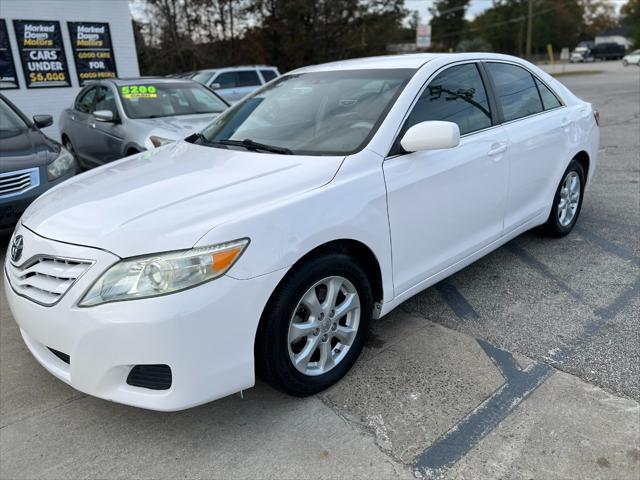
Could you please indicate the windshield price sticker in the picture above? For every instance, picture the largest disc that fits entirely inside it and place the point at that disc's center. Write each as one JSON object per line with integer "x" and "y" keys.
{"x": 42, "y": 53}
{"x": 139, "y": 91}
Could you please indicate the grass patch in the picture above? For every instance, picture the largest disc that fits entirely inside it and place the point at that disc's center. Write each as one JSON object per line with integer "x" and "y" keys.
{"x": 576, "y": 72}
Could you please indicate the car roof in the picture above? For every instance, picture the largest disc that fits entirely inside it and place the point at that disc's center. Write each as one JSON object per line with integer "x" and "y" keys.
{"x": 144, "y": 80}
{"x": 236, "y": 67}
{"x": 412, "y": 60}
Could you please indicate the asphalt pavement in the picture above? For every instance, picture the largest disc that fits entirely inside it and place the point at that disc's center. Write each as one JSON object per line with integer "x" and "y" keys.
{"x": 524, "y": 365}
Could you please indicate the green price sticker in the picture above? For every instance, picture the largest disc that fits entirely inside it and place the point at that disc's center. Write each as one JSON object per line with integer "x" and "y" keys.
{"x": 139, "y": 91}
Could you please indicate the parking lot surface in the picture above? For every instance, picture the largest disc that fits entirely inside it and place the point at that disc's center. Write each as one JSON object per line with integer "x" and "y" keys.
{"x": 524, "y": 365}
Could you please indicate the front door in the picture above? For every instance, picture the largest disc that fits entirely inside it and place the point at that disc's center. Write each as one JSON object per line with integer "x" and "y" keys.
{"x": 105, "y": 138}
{"x": 445, "y": 205}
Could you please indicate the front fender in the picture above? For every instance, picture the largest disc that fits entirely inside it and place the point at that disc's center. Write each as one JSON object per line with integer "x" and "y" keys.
{"x": 352, "y": 206}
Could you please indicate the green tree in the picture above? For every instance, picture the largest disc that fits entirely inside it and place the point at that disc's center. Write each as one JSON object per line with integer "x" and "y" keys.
{"x": 630, "y": 16}
{"x": 448, "y": 22}
{"x": 504, "y": 26}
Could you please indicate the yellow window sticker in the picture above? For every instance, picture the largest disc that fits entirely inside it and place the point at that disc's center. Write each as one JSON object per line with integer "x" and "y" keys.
{"x": 139, "y": 91}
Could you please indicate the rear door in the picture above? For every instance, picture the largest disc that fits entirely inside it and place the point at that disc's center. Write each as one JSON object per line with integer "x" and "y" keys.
{"x": 248, "y": 81}
{"x": 80, "y": 121}
{"x": 538, "y": 127}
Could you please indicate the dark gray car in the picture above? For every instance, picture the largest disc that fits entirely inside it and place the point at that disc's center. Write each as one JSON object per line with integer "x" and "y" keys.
{"x": 114, "y": 118}
{"x": 30, "y": 162}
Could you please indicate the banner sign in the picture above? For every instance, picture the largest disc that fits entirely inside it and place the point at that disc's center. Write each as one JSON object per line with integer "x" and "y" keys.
{"x": 44, "y": 63}
{"x": 423, "y": 36}
{"x": 92, "y": 51}
{"x": 8, "y": 76}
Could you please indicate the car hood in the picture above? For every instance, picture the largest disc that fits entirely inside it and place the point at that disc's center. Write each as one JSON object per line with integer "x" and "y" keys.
{"x": 168, "y": 198}
{"x": 178, "y": 126}
{"x": 25, "y": 148}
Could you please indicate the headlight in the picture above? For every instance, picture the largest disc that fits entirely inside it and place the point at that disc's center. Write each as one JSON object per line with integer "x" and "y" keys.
{"x": 159, "y": 141}
{"x": 61, "y": 165}
{"x": 163, "y": 273}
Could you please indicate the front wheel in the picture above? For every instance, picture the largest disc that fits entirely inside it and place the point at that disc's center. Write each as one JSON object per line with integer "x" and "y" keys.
{"x": 625, "y": 63}
{"x": 567, "y": 201}
{"x": 314, "y": 326}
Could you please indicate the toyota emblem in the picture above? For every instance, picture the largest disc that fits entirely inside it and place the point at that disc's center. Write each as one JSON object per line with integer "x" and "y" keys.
{"x": 16, "y": 248}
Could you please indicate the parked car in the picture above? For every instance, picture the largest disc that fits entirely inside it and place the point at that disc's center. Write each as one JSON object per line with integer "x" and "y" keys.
{"x": 234, "y": 83}
{"x": 580, "y": 54}
{"x": 113, "y": 118}
{"x": 269, "y": 240}
{"x": 30, "y": 162}
{"x": 607, "y": 51}
{"x": 632, "y": 58}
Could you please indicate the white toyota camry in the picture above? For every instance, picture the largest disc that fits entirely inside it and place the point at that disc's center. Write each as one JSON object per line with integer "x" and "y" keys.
{"x": 266, "y": 243}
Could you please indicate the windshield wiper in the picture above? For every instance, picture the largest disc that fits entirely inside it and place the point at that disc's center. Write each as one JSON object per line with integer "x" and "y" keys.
{"x": 253, "y": 145}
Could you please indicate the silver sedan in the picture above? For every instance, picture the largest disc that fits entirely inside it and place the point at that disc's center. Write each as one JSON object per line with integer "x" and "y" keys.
{"x": 114, "y": 118}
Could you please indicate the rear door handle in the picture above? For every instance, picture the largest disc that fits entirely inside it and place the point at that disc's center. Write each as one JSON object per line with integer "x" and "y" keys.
{"x": 565, "y": 123}
{"x": 497, "y": 149}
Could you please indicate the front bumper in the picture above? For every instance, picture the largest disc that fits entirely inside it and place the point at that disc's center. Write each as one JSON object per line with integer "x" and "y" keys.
{"x": 205, "y": 334}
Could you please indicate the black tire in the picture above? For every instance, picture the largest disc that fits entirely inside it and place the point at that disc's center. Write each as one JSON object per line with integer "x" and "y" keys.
{"x": 273, "y": 363}
{"x": 553, "y": 227}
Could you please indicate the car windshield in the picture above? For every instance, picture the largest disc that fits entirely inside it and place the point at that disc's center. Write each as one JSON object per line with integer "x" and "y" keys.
{"x": 316, "y": 113}
{"x": 152, "y": 100}
{"x": 9, "y": 119}
{"x": 202, "y": 77}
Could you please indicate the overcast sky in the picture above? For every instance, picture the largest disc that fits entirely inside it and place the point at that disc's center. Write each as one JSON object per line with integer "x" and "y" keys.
{"x": 475, "y": 7}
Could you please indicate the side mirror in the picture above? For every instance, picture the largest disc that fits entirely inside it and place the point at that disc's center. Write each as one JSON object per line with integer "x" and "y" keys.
{"x": 214, "y": 86}
{"x": 103, "y": 115}
{"x": 431, "y": 135}
{"x": 42, "y": 121}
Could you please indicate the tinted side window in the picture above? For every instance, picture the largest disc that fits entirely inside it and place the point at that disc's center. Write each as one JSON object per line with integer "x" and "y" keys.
{"x": 248, "y": 78}
{"x": 455, "y": 95}
{"x": 226, "y": 80}
{"x": 516, "y": 91}
{"x": 268, "y": 75}
{"x": 85, "y": 100}
{"x": 549, "y": 100}
{"x": 106, "y": 100}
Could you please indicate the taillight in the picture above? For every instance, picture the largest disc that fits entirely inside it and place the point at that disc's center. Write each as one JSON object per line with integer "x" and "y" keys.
{"x": 596, "y": 115}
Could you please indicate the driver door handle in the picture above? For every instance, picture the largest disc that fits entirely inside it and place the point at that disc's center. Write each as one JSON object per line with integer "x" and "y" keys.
{"x": 497, "y": 149}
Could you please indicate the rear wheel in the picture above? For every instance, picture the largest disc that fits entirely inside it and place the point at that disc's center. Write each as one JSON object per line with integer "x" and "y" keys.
{"x": 314, "y": 326}
{"x": 567, "y": 201}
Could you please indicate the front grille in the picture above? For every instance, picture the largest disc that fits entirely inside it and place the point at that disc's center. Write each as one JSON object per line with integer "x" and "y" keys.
{"x": 155, "y": 377}
{"x": 46, "y": 279}
{"x": 15, "y": 183}
{"x": 62, "y": 356}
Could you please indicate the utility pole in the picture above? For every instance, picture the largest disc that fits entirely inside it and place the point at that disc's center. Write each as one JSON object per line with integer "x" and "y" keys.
{"x": 529, "y": 28}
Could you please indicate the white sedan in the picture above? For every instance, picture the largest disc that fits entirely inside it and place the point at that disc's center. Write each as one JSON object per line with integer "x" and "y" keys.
{"x": 268, "y": 242}
{"x": 632, "y": 58}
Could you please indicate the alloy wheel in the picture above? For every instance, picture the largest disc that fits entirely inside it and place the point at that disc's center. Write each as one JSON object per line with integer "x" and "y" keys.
{"x": 569, "y": 198}
{"x": 324, "y": 325}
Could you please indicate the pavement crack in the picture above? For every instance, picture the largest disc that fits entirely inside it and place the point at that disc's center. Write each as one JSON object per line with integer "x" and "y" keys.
{"x": 44, "y": 412}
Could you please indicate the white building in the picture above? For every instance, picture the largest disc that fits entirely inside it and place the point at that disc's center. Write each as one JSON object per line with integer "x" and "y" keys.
{"x": 47, "y": 67}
